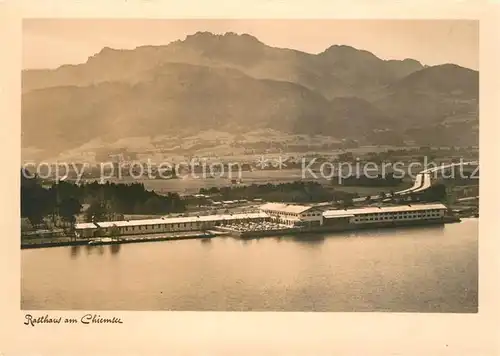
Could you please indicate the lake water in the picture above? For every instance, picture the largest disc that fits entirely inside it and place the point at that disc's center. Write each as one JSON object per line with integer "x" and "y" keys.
{"x": 424, "y": 269}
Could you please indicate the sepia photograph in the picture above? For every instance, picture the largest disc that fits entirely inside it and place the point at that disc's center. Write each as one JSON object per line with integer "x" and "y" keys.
{"x": 249, "y": 165}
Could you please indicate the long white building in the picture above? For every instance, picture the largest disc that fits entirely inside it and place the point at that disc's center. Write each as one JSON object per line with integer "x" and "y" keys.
{"x": 165, "y": 224}
{"x": 284, "y": 214}
{"x": 395, "y": 214}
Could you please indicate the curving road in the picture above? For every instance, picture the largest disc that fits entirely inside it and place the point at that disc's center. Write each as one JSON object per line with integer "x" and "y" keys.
{"x": 423, "y": 180}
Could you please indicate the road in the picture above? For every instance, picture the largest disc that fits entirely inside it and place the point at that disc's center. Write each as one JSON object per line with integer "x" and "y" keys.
{"x": 423, "y": 181}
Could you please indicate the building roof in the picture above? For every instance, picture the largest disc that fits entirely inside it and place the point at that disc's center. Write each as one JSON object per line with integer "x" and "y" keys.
{"x": 286, "y": 208}
{"x": 339, "y": 216}
{"x": 326, "y": 203}
{"x": 199, "y": 196}
{"x": 89, "y": 225}
{"x": 176, "y": 220}
{"x": 272, "y": 206}
{"x": 384, "y": 209}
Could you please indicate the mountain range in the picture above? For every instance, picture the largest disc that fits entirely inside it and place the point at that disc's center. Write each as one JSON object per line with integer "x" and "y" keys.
{"x": 236, "y": 83}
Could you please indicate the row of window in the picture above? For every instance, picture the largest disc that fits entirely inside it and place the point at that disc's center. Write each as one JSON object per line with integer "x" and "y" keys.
{"x": 389, "y": 218}
{"x": 400, "y": 215}
{"x": 168, "y": 226}
{"x": 280, "y": 213}
{"x": 433, "y": 212}
{"x": 427, "y": 214}
{"x": 406, "y": 213}
{"x": 153, "y": 227}
{"x": 312, "y": 214}
{"x": 290, "y": 214}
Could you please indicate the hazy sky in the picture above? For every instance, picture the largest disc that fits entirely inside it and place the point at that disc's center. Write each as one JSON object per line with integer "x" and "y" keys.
{"x": 51, "y": 43}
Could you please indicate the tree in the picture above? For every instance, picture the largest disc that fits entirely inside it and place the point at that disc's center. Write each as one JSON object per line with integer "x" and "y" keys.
{"x": 35, "y": 200}
{"x": 153, "y": 205}
{"x": 437, "y": 192}
{"x": 347, "y": 202}
{"x": 36, "y": 219}
{"x": 96, "y": 212}
{"x": 114, "y": 231}
{"x": 98, "y": 232}
{"x": 68, "y": 208}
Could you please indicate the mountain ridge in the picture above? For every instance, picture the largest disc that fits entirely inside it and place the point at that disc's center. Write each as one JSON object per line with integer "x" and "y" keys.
{"x": 243, "y": 52}
{"x": 237, "y": 83}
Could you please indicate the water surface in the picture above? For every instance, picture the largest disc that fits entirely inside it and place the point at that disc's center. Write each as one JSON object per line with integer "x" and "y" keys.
{"x": 424, "y": 269}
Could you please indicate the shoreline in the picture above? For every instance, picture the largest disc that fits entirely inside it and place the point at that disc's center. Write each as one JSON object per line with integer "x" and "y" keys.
{"x": 340, "y": 229}
{"x": 121, "y": 241}
{"x": 233, "y": 234}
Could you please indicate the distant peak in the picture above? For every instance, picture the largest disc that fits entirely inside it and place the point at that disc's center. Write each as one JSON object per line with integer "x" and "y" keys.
{"x": 244, "y": 36}
{"x": 411, "y": 60}
{"x": 107, "y": 49}
{"x": 340, "y": 48}
{"x": 205, "y": 35}
{"x": 450, "y": 67}
{"x": 345, "y": 50}
{"x": 408, "y": 62}
{"x": 200, "y": 34}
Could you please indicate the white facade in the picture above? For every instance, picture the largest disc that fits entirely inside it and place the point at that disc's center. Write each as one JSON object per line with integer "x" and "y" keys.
{"x": 153, "y": 226}
{"x": 291, "y": 214}
{"x": 388, "y": 214}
